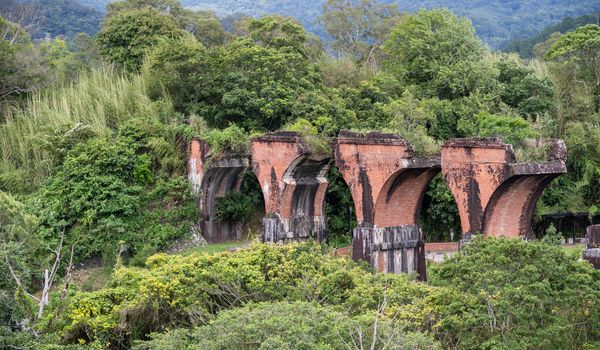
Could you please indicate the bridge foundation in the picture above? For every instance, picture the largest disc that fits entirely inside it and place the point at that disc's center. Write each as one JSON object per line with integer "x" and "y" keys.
{"x": 387, "y": 183}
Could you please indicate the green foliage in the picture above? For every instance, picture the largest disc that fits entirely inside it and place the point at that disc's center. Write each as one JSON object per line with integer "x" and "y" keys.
{"x": 359, "y": 28}
{"x": 513, "y": 130}
{"x": 410, "y": 118}
{"x": 583, "y": 40}
{"x": 183, "y": 291}
{"x": 21, "y": 69}
{"x": 439, "y": 213}
{"x": 126, "y": 36}
{"x": 526, "y": 48}
{"x": 438, "y": 53}
{"x": 339, "y": 209}
{"x": 523, "y": 90}
{"x": 518, "y": 294}
{"x": 234, "y": 207}
{"x": 255, "y": 81}
{"x": 318, "y": 143}
{"x": 496, "y": 293}
{"x": 35, "y": 139}
{"x": 17, "y": 242}
{"x": 126, "y": 188}
{"x": 232, "y": 140}
{"x": 552, "y": 236}
{"x": 298, "y": 325}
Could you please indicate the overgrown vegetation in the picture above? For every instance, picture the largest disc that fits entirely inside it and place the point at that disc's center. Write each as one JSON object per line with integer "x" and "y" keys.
{"x": 93, "y": 149}
{"x": 267, "y": 297}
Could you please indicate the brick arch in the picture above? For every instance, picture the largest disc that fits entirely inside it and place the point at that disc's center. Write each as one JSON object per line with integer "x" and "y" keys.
{"x": 293, "y": 183}
{"x": 495, "y": 194}
{"x": 512, "y": 206}
{"x": 400, "y": 198}
{"x": 211, "y": 180}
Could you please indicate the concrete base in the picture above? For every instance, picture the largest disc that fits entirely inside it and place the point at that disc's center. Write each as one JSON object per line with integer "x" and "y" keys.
{"x": 398, "y": 249}
{"x": 593, "y": 256}
{"x": 297, "y": 229}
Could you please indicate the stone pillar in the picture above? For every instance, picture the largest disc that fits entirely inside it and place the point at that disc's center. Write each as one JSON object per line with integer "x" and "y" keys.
{"x": 212, "y": 179}
{"x": 387, "y": 183}
{"x": 293, "y": 182}
{"x": 496, "y": 195}
{"x": 592, "y": 245}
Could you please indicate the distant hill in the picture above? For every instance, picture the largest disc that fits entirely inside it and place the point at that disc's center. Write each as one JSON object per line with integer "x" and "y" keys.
{"x": 524, "y": 47}
{"x": 59, "y": 17}
{"x": 497, "y": 21}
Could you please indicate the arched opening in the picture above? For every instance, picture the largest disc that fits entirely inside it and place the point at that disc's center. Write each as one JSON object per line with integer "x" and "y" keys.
{"x": 339, "y": 210}
{"x": 241, "y": 208}
{"x": 511, "y": 208}
{"x": 438, "y": 215}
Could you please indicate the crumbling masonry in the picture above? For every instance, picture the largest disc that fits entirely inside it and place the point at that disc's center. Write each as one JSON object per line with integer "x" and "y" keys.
{"x": 495, "y": 195}
{"x": 293, "y": 182}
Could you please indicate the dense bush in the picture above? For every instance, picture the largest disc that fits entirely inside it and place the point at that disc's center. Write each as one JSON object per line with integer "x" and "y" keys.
{"x": 495, "y": 294}
{"x": 177, "y": 291}
{"x": 519, "y": 295}
{"x": 127, "y": 187}
{"x": 298, "y": 325}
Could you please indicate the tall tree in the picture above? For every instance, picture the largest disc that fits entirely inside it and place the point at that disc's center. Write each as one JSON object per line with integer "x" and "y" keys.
{"x": 438, "y": 52}
{"x": 127, "y": 35}
{"x": 21, "y": 70}
{"x": 359, "y": 27}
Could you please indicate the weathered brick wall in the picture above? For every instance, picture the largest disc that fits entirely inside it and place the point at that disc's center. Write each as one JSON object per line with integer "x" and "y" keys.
{"x": 211, "y": 180}
{"x": 293, "y": 182}
{"x": 494, "y": 194}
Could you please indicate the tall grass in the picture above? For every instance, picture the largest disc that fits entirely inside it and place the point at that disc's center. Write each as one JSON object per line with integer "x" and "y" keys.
{"x": 97, "y": 103}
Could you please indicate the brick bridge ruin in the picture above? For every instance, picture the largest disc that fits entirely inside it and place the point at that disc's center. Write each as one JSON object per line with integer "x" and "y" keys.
{"x": 495, "y": 194}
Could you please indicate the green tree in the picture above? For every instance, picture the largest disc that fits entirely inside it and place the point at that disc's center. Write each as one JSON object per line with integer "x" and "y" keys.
{"x": 21, "y": 68}
{"x": 126, "y": 36}
{"x": 439, "y": 54}
{"x": 582, "y": 47}
{"x": 203, "y": 25}
{"x": 359, "y": 27}
{"x": 255, "y": 82}
{"x": 522, "y": 90}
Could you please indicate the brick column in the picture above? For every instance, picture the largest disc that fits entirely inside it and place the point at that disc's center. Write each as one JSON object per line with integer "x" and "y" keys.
{"x": 293, "y": 182}
{"x": 496, "y": 195}
{"x": 387, "y": 183}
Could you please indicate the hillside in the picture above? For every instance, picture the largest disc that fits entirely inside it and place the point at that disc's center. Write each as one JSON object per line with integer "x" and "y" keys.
{"x": 495, "y": 21}
{"x": 57, "y": 17}
{"x": 524, "y": 47}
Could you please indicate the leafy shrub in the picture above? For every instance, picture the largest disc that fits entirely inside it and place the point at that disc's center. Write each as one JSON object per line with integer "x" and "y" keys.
{"x": 179, "y": 291}
{"x": 318, "y": 143}
{"x": 552, "y": 236}
{"x": 232, "y": 140}
{"x": 235, "y": 207}
{"x": 129, "y": 187}
{"x": 518, "y": 295}
{"x": 297, "y": 325}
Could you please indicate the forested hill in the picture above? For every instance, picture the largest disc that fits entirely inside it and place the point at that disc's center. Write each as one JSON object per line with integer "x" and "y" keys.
{"x": 496, "y": 21}
{"x": 64, "y": 18}
{"x": 525, "y": 47}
